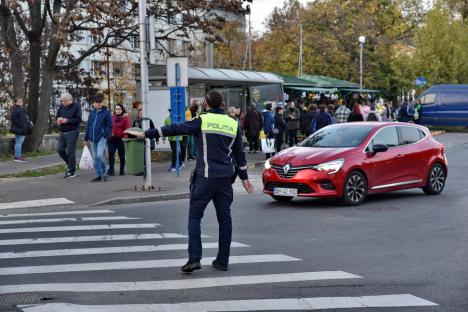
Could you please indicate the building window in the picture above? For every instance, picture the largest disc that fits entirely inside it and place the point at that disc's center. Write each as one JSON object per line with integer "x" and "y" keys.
{"x": 172, "y": 45}
{"x": 136, "y": 70}
{"x": 98, "y": 68}
{"x": 117, "y": 69}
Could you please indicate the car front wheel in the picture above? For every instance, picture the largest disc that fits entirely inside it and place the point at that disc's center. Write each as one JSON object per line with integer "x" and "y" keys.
{"x": 435, "y": 180}
{"x": 354, "y": 189}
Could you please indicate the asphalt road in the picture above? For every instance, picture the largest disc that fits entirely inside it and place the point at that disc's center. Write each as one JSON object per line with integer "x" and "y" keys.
{"x": 402, "y": 243}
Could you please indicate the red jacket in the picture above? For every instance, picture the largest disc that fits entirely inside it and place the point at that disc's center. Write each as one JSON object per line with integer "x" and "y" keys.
{"x": 119, "y": 126}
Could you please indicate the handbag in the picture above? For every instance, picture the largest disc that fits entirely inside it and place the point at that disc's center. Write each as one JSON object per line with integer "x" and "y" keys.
{"x": 86, "y": 161}
{"x": 268, "y": 146}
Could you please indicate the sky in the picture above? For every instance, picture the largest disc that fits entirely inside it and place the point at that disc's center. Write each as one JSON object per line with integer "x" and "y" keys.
{"x": 261, "y": 9}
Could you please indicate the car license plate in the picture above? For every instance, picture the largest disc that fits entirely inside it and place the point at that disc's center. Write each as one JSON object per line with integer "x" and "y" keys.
{"x": 281, "y": 191}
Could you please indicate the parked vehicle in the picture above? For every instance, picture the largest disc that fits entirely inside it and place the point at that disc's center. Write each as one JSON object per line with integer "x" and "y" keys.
{"x": 350, "y": 161}
{"x": 445, "y": 105}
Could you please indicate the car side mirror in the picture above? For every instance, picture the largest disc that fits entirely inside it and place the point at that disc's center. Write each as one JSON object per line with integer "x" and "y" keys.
{"x": 379, "y": 148}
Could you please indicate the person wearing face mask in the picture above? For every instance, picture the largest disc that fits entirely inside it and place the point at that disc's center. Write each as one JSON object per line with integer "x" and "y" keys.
{"x": 218, "y": 136}
{"x": 293, "y": 121}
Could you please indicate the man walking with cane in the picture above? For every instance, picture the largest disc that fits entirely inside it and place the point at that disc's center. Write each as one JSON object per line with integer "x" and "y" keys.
{"x": 217, "y": 136}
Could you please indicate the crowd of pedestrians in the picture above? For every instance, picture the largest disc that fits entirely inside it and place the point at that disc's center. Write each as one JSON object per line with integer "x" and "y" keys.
{"x": 278, "y": 127}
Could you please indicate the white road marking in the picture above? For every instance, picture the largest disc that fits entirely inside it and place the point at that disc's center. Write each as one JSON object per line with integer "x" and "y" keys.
{"x": 30, "y": 221}
{"x": 133, "y": 265}
{"x": 177, "y": 284}
{"x": 79, "y": 228}
{"x": 36, "y": 203}
{"x": 98, "y": 238}
{"x": 105, "y": 250}
{"x": 319, "y": 303}
{"x": 56, "y": 213}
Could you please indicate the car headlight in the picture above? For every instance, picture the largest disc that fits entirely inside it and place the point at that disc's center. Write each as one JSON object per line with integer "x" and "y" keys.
{"x": 267, "y": 164}
{"x": 330, "y": 166}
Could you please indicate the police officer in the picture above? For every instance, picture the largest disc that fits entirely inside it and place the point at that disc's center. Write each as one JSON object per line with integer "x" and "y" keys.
{"x": 218, "y": 137}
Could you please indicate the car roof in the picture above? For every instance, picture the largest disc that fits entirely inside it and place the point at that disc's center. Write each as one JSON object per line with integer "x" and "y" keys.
{"x": 381, "y": 124}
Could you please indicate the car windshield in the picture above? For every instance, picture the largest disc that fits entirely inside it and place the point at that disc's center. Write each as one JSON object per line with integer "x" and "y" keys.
{"x": 338, "y": 136}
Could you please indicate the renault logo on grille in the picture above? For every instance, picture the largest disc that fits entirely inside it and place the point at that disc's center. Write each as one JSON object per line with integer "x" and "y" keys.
{"x": 286, "y": 168}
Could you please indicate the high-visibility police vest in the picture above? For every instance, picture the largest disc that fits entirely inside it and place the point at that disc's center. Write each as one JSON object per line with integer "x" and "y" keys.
{"x": 219, "y": 124}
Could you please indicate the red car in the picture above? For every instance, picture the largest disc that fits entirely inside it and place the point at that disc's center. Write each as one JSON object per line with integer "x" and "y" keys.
{"x": 351, "y": 160}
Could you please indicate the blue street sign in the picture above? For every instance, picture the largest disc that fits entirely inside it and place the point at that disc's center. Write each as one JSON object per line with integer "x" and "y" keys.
{"x": 421, "y": 81}
{"x": 177, "y": 104}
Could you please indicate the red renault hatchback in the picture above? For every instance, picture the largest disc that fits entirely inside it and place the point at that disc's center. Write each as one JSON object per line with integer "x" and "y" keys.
{"x": 351, "y": 160}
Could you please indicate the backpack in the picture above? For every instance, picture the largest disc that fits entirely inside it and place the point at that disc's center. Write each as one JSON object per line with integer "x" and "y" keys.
{"x": 372, "y": 117}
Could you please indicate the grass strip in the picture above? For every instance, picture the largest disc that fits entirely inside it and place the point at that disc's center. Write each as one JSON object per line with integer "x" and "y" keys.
{"x": 38, "y": 172}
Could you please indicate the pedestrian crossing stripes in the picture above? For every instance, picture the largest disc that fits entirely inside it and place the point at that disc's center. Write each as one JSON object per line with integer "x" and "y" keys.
{"x": 55, "y": 278}
{"x": 180, "y": 283}
{"x": 80, "y": 228}
{"x": 66, "y": 220}
{"x": 97, "y": 238}
{"x": 36, "y": 203}
{"x": 104, "y": 250}
{"x": 131, "y": 265}
{"x": 320, "y": 303}
{"x": 56, "y": 213}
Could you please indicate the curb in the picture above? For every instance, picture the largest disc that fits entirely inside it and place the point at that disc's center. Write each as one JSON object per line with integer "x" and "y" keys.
{"x": 141, "y": 199}
{"x": 155, "y": 198}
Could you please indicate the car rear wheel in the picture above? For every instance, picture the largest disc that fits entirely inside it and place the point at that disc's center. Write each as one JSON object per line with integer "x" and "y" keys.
{"x": 282, "y": 198}
{"x": 355, "y": 189}
{"x": 435, "y": 180}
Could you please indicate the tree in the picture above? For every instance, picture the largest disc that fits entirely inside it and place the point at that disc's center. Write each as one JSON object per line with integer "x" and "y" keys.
{"x": 441, "y": 55}
{"x": 36, "y": 35}
{"x": 331, "y": 48}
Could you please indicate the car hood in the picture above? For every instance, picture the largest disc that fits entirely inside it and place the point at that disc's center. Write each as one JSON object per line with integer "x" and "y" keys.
{"x": 304, "y": 156}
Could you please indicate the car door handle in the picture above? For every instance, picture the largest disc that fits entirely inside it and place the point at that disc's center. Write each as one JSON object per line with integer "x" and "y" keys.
{"x": 399, "y": 155}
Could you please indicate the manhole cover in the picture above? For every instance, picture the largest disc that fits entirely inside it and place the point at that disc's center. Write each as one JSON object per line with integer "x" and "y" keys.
{"x": 24, "y": 298}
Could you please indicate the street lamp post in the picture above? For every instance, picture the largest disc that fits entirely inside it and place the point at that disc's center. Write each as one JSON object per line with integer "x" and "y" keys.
{"x": 144, "y": 90}
{"x": 362, "y": 40}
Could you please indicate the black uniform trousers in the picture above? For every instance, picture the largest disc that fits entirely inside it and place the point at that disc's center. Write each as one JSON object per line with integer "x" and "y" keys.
{"x": 202, "y": 192}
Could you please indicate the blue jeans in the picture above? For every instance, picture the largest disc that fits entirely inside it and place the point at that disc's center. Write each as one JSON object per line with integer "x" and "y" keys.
{"x": 19, "y": 139}
{"x": 292, "y": 136}
{"x": 202, "y": 191}
{"x": 97, "y": 149}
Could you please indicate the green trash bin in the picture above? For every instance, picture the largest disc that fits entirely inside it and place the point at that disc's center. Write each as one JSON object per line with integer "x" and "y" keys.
{"x": 135, "y": 156}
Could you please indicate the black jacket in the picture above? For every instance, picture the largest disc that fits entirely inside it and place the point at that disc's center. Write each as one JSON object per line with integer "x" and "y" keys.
{"x": 20, "y": 124}
{"x": 355, "y": 117}
{"x": 253, "y": 123}
{"x": 280, "y": 123}
{"x": 73, "y": 113}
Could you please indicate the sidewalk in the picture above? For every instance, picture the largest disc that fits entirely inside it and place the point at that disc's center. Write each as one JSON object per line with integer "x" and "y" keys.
{"x": 118, "y": 189}
{"x": 35, "y": 163}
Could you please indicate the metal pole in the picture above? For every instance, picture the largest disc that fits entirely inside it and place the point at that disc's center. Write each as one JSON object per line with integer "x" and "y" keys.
{"x": 299, "y": 67}
{"x": 108, "y": 76}
{"x": 144, "y": 89}
{"x": 360, "y": 67}
{"x": 250, "y": 45}
{"x": 177, "y": 114}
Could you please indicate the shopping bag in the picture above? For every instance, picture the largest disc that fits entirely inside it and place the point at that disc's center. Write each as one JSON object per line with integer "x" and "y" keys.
{"x": 262, "y": 135}
{"x": 86, "y": 161}
{"x": 268, "y": 146}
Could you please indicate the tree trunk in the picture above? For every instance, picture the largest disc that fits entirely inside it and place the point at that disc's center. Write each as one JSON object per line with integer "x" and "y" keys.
{"x": 34, "y": 78}
{"x": 35, "y": 50}
{"x": 8, "y": 35}
{"x": 34, "y": 141}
